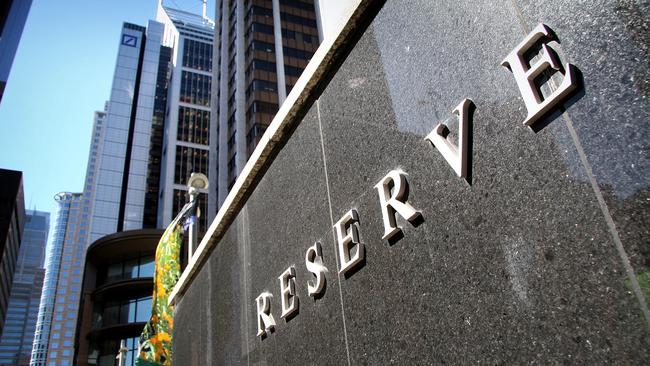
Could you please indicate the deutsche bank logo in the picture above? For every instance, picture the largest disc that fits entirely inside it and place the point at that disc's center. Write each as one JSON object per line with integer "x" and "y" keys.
{"x": 128, "y": 40}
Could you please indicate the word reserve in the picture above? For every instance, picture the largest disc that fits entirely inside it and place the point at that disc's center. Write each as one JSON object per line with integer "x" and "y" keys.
{"x": 393, "y": 187}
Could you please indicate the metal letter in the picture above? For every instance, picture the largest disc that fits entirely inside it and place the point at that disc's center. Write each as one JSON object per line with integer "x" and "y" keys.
{"x": 265, "y": 321}
{"x": 525, "y": 75}
{"x": 350, "y": 239}
{"x": 456, "y": 156}
{"x": 314, "y": 263}
{"x": 394, "y": 202}
{"x": 288, "y": 292}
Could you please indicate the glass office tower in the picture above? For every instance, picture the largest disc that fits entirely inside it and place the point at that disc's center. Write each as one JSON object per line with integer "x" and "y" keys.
{"x": 59, "y": 348}
{"x": 18, "y": 333}
{"x": 55, "y": 325}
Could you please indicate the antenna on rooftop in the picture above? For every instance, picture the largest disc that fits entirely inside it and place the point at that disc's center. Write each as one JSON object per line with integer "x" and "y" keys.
{"x": 205, "y": 9}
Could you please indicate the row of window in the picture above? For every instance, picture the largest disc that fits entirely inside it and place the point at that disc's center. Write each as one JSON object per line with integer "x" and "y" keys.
{"x": 298, "y": 4}
{"x": 195, "y": 88}
{"x": 197, "y": 55}
{"x": 261, "y": 85}
{"x": 256, "y": 27}
{"x": 138, "y": 267}
{"x": 298, "y": 19}
{"x": 286, "y": 33}
{"x": 292, "y": 71}
{"x": 287, "y": 51}
{"x": 300, "y": 37}
{"x": 194, "y": 125}
{"x": 296, "y": 53}
{"x": 189, "y": 160}
{"x": 261, "y": 107}
{"x": 260, "y": 46}
{"x": 259, "y": 10}
{"x": 260, "y": 65}
{"x": 121, "y": 312}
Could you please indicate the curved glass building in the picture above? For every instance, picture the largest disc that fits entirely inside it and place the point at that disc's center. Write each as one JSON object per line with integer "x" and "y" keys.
{"x": 116, "y": 297}
{"x": 53, "y": 261}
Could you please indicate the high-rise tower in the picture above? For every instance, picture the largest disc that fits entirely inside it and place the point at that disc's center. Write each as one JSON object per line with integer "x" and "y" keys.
{"x": 261, "y": 48}
{"x": 126, "y": 178}
{"x": 157, "y": 128}
{"x": 189, "y": 139}
{"x": 55, "y": 326}
{"x": 57, "y": 318}
{"x": 12, "y": 221}
{"x": 18, "y": 332}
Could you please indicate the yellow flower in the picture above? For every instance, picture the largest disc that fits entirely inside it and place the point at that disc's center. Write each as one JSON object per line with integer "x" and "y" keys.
{"x": 168, "y": 319}
{"x": 160, "y": 289}
{"x": 164, "y": 337}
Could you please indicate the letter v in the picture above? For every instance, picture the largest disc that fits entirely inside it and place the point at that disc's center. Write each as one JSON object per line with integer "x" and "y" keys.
{"x": 456, "y": 156}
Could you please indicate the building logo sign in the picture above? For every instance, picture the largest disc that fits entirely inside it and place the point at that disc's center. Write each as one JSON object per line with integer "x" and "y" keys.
{"x": 393, "y": 187}
{"x": 129, "y": 40}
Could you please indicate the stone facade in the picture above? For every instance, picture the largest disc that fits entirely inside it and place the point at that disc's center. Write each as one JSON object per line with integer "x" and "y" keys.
{"x": 540, "y": 256}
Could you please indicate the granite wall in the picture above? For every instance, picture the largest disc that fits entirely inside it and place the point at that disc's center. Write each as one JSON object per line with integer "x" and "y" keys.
{"x": 540, "y": 256}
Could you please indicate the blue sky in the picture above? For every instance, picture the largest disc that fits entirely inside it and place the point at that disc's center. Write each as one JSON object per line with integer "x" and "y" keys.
{"x": 61, "y": 74}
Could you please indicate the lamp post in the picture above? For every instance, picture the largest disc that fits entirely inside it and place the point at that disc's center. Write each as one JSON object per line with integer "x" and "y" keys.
{"x": 121, "y": 354}
{"x": 196, "y": 183}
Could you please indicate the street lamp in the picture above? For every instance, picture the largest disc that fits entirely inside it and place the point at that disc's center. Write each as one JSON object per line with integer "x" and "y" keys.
{"x": 196, "y": 183}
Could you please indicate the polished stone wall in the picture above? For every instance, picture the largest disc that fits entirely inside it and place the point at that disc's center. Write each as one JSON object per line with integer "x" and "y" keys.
{"x": 542, "y": 256}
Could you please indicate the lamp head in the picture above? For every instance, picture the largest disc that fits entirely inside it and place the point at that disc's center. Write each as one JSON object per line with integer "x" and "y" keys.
{"x": 198, "y": 181}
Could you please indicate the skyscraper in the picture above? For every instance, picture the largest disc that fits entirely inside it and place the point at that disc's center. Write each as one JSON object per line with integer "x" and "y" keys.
{"x": 12, "y": 220}
{"x": 18, "y": 333}
{"x": 57, "y": 320}
{"x": 132, "y": 132}
{"x": 157, "y": 127}
{"x": 55, "y": 326}
{"x": 13, "y": 14}
{"x": 190, "y": 139}
{"x": 261, "y": 48}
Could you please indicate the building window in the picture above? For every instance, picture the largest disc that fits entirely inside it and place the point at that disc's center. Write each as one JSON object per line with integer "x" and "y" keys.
{"x": 197, "y": 55}
{"x": 190, "y": 160}
{"x": 195, "y": 88}
{"x": 136, "y": 267}
{"x": 193, "y": 125}
{"x": 121, "y": 312}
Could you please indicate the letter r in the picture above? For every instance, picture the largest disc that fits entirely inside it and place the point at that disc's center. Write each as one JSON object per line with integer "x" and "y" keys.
{"x": 265, "y": 321}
